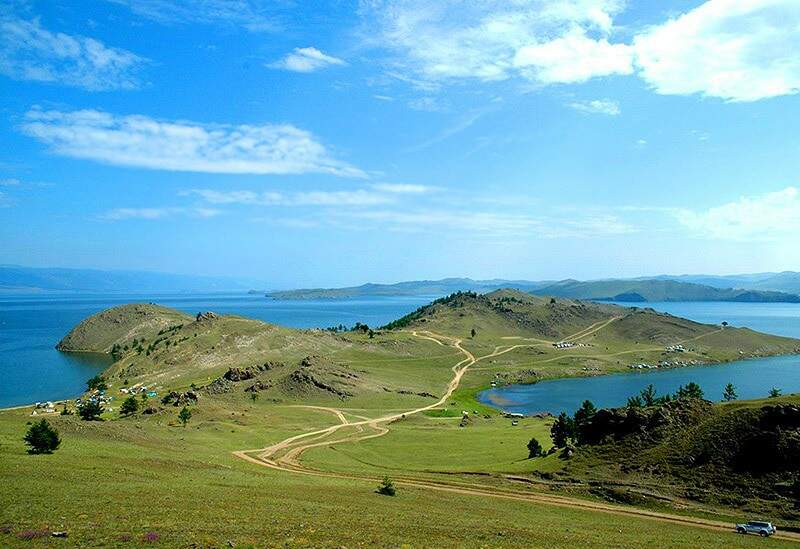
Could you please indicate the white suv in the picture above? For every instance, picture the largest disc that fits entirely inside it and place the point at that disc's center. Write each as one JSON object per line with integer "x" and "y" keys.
{"x": 763, "y": 529}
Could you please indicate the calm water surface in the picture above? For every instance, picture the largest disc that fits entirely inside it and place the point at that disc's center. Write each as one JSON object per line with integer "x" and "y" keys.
{"x": 30, "y": 326}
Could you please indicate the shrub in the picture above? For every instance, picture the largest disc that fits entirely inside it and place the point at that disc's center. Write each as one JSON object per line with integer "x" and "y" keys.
{"x": 534, "y": 449}
{"x": 150, "y": 537}
{"x": 90, "y": 411}
{"x": 42, "y": 438}
{"x": 691, "y": 390}
{"x": 129, "y": 406}
{"x": 386, "y": 487}
{"x": 774, "y": 392}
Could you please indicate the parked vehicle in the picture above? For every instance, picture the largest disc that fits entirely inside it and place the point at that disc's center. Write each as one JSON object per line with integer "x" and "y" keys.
{"x": 763, "y": 529}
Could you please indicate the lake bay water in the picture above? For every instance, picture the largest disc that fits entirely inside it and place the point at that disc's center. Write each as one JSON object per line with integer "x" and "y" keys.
{"x": 30, "y": 326}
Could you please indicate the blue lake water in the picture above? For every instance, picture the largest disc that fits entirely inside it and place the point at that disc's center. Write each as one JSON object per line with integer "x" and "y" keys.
{"x": 31, "y": 369}
{"x": 752, "y": 378}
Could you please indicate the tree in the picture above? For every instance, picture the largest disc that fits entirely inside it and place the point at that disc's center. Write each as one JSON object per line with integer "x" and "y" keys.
{"x": 534, "y": 449}
{"x": 90, "y": 411}
{"x": 583, "y": 416}
{"x": 254, "y": 396}
{"x": 184, "y": 416}
{"x": 562, "y": 430}
{"x": 98, "y": 383}
{"x": 129, "y": 406}
{"x": 386, "y": 487}
{"x": 649, "y": 395}
{"x": 729, "y": 393}
{"x": 691, "y": 390}
{"x": 724, "y": 323}
{"x": 65, "y": 411}
{"x": 774, "y": 392}
{"x": 473, "y": 333}
{"x": 41, "y": 438}
{"x": 635, "y": 402}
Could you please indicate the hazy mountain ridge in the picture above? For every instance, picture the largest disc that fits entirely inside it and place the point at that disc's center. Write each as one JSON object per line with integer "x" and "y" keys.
{"x": 14, "y": 278}
{"x": 664, "y": 288}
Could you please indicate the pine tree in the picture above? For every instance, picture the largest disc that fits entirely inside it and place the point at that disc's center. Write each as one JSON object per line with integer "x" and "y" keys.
{"x": 729, "y": 393}
{"x": 42, "y": 438}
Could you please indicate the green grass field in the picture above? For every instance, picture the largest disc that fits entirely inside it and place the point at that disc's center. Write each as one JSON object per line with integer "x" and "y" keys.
{"x": 116, "y": 481}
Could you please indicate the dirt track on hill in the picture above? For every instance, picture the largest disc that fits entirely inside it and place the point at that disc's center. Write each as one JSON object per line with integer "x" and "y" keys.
{"x": 285, "y": 455}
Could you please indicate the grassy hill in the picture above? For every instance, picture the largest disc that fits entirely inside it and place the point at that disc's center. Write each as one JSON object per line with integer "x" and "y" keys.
{"x": 250, "y": 385}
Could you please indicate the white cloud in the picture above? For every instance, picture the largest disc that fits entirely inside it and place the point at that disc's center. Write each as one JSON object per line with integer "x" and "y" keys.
{"x": 121, "y": 214}
{"x": 427, "y": 104}
{"x": 771, "y": 216}
{"x": 30, "y": 52}
{"x": 573, "y": 58}
{"x": 544, "y": 40}
{"x": 144, "y": 142}
{"x": 306, "y": 60}
{"x": 733, "y": 49}
{"x": 253, "y": 15}
{"x": 403, "y": 188}
{"x": 9, "y": 182}
{"x": 358, "y": 197}
{"x": 5, "y": 201}
{"x": 597, "y": 106}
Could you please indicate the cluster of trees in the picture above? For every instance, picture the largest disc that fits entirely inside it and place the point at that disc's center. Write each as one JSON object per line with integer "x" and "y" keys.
{"x": 98, "y": 382}
{"x": 358, "y": 327}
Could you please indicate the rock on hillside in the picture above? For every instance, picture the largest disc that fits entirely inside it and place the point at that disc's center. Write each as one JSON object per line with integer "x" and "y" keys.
{"x": 120, "y": 325}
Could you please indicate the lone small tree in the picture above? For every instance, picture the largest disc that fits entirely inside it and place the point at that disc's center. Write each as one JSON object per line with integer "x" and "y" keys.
{"x": 562, "y": 430}
{"x": 774, "y": 392}
{"x": 473, "y": 333}
{"x": 254, "y": 396}
{"x": 129, "y": 406}
{"x": 729, "y": 393}
{"x": 386, "y": 487}
{"x": 184, "y": 416}
{"x": 41, "y": 438}
{"x": 534, "y": 449}
{"x": 90, "y": 411}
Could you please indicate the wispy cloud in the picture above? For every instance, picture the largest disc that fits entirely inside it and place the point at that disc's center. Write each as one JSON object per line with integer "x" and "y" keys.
{"x": 5, "y": 201}
{"x": 404, "y": 188}
{"x": 306, "y": 60}
{"x": 30, "y": 52}
{"x": 121, "y": 214}
{"x": 545, "y": 41}
{"x": 144, "y": 142}
{"x": 253, "y": 15}
{"x": 358, "y": 197}
{"x": 12, "y": 182}
{"x": 770, "y": 216}
{"x": 597, "y": 106}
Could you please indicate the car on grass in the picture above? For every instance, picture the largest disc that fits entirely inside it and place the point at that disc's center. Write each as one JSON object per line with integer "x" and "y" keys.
{"x": 763, "y": 529}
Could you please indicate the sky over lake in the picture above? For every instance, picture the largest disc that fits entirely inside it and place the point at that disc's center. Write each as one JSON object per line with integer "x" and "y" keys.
{"x": 332, "y": 143}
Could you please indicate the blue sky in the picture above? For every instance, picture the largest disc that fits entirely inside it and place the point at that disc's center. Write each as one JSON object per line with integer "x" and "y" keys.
{"x": 326, "y": 144}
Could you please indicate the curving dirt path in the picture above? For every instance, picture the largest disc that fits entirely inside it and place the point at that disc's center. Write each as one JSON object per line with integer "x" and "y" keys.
{"x": 285, "y": 455}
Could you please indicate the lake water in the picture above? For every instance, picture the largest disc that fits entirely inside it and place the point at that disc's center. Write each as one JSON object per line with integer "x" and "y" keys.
{"x": 752, "y": 378}
{"x": 31, "y": 369}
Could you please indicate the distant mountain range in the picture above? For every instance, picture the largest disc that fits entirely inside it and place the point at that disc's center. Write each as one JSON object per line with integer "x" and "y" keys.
{"x": 27, "y": 279}
{"x": 661, "y": 288}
